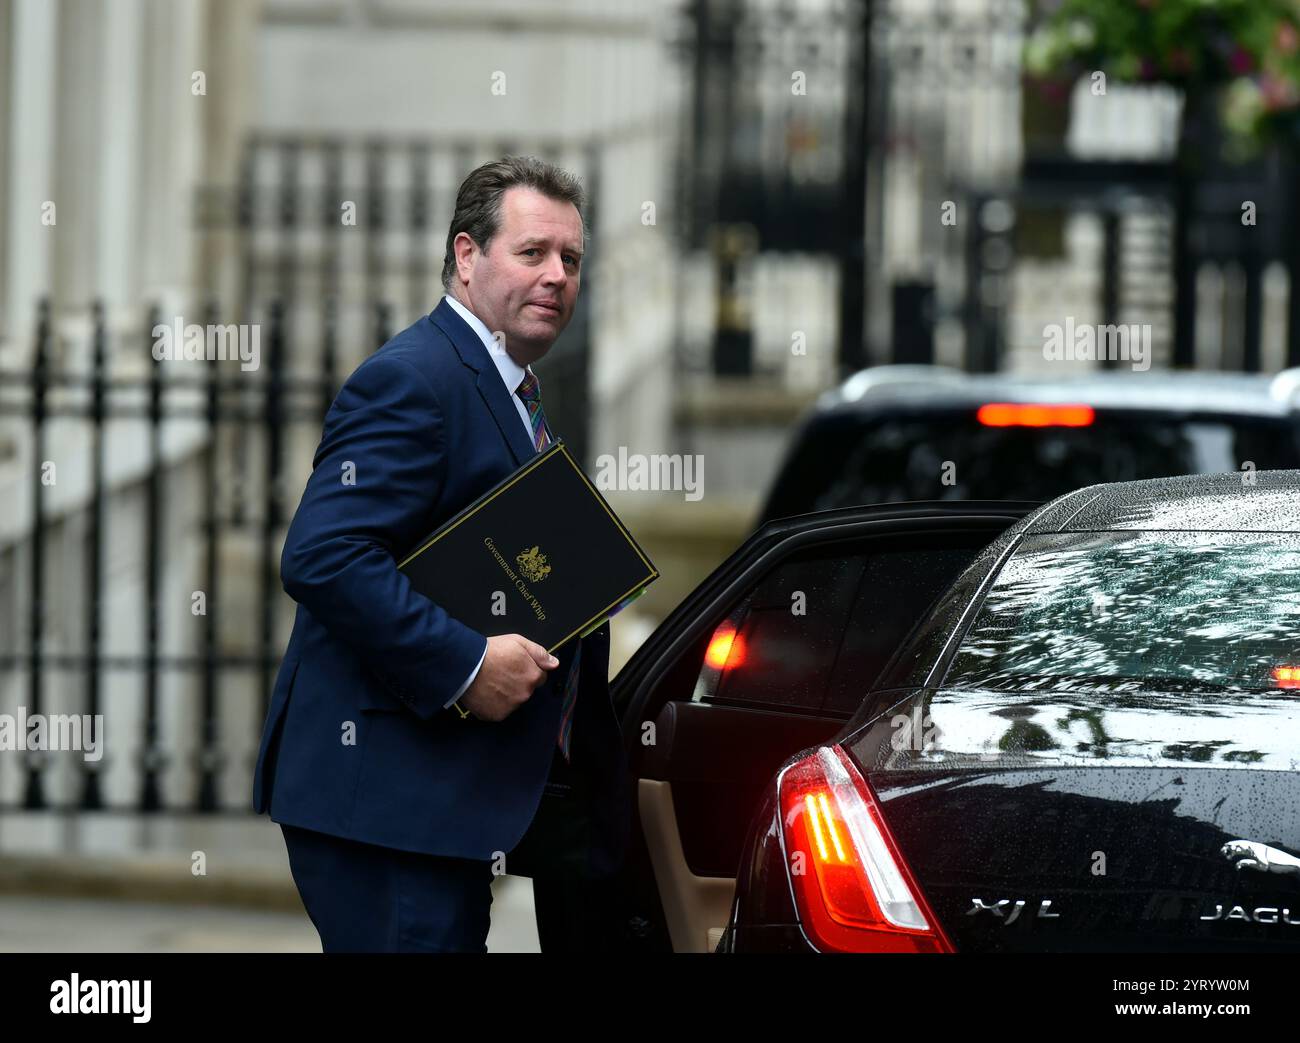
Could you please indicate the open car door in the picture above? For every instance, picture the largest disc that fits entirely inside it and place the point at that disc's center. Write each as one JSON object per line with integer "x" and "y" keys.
{"x": 771, "y": 654}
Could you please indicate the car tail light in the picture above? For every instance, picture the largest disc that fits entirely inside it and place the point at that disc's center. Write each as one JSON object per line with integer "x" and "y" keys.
{"x": 1287, "y": 676}
{"x": 852, "y": 888}
{"x": 1017, "y": 414}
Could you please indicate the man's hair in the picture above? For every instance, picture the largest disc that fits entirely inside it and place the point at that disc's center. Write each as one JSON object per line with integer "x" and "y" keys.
{"x": 478, "y": 202}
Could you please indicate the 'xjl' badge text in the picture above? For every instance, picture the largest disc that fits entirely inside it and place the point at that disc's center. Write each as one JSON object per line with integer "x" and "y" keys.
{"x": 1002, "y": 906}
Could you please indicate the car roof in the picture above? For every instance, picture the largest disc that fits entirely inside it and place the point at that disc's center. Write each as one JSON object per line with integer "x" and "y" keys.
{"x": 1262, "y": 501}
{"x": 913, "y": 387}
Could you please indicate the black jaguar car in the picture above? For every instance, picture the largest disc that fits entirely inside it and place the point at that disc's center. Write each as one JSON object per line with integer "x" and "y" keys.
{"x": 1092, "y": 743}
{"x": 972, "y": 726}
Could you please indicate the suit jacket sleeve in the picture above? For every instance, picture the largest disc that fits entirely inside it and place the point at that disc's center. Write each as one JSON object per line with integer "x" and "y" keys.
{"x": 355, "y": 522}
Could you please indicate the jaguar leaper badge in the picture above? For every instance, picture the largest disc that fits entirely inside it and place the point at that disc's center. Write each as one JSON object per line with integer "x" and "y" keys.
{"x": 532, "y": 563}
{"x": 1251, "y": 854}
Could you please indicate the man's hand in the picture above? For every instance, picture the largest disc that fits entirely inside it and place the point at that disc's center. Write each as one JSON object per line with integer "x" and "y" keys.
{"x": 511, "y": 672}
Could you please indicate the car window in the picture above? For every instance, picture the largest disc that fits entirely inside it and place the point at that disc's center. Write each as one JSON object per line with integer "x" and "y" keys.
{"x": 897, "y": 589}
{"x": 1142, "y": 648}
{"x": 948, "y": 455}
{"x": 778, "y": 647}
{"x": 1139, "y": 611}
{"x": 816, "y": 632}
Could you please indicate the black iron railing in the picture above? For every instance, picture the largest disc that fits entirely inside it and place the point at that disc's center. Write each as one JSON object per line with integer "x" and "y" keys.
{"x": 225, "y": 399}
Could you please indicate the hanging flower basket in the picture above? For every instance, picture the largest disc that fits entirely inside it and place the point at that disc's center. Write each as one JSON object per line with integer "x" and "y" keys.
{"x": 1246, "y": 53}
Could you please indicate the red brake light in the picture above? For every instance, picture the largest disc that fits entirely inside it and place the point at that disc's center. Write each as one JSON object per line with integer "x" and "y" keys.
{"x": 726, "y": 648}
{"x": 1017, "y": 414}
{"x": 852, "y": 888}
{"x": 1287, "y": 676}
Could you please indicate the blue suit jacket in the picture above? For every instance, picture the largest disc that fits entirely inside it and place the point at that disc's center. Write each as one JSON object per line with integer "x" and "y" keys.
{"x": 422, "y": 427}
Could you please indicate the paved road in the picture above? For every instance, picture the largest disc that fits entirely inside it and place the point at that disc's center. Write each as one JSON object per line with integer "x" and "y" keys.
{"x": 98, "y": 925}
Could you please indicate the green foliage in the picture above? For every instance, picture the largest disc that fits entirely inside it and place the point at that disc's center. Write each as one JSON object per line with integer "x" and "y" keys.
{"x": 1248, "y": 50}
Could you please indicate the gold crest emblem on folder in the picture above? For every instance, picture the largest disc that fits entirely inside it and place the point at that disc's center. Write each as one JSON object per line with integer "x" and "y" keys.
{"x": 533, "y": 565}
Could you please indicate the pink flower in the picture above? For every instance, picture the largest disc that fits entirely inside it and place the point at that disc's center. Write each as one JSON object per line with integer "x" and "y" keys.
{"x": 1287, "y": 38}
{"x": 1240, "y": 61}
{"x": 1277, "y": 92}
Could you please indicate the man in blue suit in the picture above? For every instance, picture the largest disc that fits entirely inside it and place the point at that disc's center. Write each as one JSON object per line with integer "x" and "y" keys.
{"x": 407, "y": 757}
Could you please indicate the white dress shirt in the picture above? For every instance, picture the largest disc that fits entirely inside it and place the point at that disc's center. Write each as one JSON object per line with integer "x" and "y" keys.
{"x": 512, "y": 375}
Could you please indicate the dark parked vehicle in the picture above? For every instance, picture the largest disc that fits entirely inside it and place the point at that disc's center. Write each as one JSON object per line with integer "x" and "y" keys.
{"x": 1089, "y": 741}
{"x": 901, "y": 433}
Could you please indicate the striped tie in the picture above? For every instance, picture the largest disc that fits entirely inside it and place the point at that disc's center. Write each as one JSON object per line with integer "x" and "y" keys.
{"x": 530, "y": 391}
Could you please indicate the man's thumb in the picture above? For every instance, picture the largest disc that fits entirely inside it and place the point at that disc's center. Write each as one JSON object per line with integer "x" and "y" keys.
{"x": 543, "y": 657}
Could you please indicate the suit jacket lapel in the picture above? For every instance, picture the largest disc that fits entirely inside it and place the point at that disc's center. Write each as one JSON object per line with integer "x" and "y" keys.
{"x": 490, "y": 385}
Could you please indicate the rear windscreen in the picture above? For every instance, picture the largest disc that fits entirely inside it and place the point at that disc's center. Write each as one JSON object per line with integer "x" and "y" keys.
{"x": 1133, "y": 610}
{"x": 1128, "y": 647}
{"x": 951, "y": 456}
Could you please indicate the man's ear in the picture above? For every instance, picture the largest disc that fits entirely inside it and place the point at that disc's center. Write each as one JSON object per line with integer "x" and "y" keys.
{"x": 464, "y": 249}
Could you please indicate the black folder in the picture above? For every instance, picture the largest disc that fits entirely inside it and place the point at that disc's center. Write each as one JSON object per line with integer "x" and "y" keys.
{"x": 539, "y": 554}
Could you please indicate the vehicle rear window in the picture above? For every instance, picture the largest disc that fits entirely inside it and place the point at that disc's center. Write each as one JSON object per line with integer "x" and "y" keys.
{"x": 1140, "y": 611}
{"x": 1121, "y": 648}
{"x": 949, "y": 455}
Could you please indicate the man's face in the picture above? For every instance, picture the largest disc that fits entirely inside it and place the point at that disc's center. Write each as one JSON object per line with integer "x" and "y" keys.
{"x": 526, "y": 284}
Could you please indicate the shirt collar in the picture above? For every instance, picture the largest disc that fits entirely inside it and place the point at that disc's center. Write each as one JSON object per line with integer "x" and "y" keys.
{"x": 511, "y": 372}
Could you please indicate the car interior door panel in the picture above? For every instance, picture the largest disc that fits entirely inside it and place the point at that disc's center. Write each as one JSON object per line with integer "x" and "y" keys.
{"x": 771, "y": 655}
{"x": 688, "y": 799}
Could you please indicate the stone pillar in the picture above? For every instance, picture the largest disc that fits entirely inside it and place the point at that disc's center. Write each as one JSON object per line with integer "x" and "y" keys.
{"x": 28, "y": 141}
